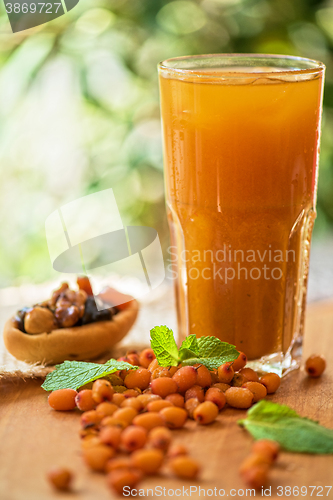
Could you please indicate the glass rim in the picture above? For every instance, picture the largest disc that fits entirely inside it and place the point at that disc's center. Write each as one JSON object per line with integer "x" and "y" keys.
{"x": 173, "y": 65}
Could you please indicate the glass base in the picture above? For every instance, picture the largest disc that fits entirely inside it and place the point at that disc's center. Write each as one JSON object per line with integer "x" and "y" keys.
{"x": 279, "y": 363}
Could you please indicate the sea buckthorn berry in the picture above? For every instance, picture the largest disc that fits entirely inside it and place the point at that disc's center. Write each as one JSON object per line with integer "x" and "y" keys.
{"x": 195, "y": 392}
{"x": 238, "y": 380}
{"x": 214, "y": 375}
{"x": 139, "y": 391}
{"x": 252, "y": 461}
{"x": 239, "y": 397}
{"x": 146, "y": 357}
{"x": 60, "y": 478}
{"x": 204, "y": 378}
{"x": 132, "y": 351}
{"x": 160, "y": 371}
{"x": 102, "y": 391}
{"x": 172, "y": 370}
{"x": 131, "y": 393}
{"x": 177, "y": 450}
{"x": 133, "y": 438}
{"x": 87, "y": 386}
{"x": 240, "y": 362}
{"x": 124, "y": 359}
{"x": 133, "y": 359}
{"x": 126, "y": 414}
{"x": 90, "y": 441}
{"x": 123, "y": 373}
{"x": 191, "y": 405}
{"x": 115, "y": 379}
{"x": 62, "y": 399}
{"x": 315, "y": 365}
{"x": 149, "y": 461}
{"x": 84, "y": 400}
{"x": 174, "y": 417}
{"x": 158, "y": 405}
{"x": 107, "y": 409}
{"x": 176, "y": 399}
{"x": 118, "y": 463}
{"x": 163, "y": 386}
{"x": 149, "y": 420}
{"x": 96, "y": 457}
{"x": 185, "y": 377}
{"x": 145, "y": 399}
{"x": 91, "y": 419}
{"x": 256, "y": 477}
{"x": 132, "y": 403}
{"x": 205, "y": 413}
{"x": 110, "y": 435}
{"x": 119, "y": 389}
{"x": 250, "y": 374}
{"x": 258, "y": 390}
{"x": 114, "y": 422}
{"x": 271, "y": 381}
{"x": 153, "y": 365}
{"x": 223, "y": 387}
{"x": 185, "y": 467}
{"x": 137, "y": 378}
{"x": 88, "y": 431}
{"x": 160, "y": 437}
{"x": 267, "y": 448}
{"x": 147, "y": 391}
{"x": 216, "y": 396}
{"x": 225, "y": 373}
{"x": 119, "y": 478}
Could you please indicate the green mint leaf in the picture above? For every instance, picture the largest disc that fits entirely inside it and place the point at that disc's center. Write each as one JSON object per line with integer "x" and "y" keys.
{"x": 212, "y": 353}
{"x": 189, "y": 348}
{"x": 164, "y": 346}
{"x": 268, "y": 420}
{"x": 75, "y": 374}
{"x": 208, "y": 351}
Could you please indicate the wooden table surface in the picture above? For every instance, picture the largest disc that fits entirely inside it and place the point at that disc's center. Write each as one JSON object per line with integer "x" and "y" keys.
{"x": 34, "y": 438}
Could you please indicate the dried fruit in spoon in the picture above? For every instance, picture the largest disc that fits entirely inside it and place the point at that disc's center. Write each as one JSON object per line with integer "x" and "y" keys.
{"x": 69, "y": 326}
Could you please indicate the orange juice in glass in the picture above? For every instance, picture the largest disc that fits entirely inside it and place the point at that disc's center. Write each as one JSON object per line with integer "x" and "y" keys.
{"x": 241, "y": 138}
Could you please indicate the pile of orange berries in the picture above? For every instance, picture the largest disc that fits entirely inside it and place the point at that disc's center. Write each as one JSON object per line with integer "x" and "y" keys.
{"x": 125, "y": 427}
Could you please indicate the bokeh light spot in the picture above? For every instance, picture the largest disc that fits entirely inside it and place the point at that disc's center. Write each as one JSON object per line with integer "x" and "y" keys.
{"x": 181, "y": 17}
{"x": 95, "y": 21}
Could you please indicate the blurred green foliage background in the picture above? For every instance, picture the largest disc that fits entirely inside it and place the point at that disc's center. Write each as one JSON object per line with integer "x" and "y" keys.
{"x": 79, "y": 106}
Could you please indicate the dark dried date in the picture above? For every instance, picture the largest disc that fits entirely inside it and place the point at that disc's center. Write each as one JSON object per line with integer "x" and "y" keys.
{"x": 19, "y": 318}
{"x": 92, "y": 314}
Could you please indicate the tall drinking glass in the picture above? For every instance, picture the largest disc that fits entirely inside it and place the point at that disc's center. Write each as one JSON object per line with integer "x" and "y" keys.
{"x": 241, "y": 138}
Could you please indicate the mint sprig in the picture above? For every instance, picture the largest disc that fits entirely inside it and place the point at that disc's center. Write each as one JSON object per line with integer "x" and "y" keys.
{"x": 189, "y": 348}
{"x": 164, "y": 346}
{"x": 208, "y": 351}
{"x": 268, "y": 420}
{"x": 212, "y": 353}
{"x": 75, "y": 374}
